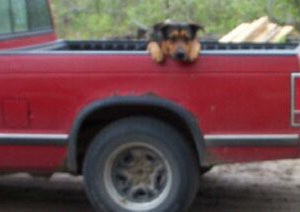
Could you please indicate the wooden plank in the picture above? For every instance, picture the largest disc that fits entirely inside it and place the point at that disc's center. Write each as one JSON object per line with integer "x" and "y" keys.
{"x": 235, "y": 32}
{"x": 260, "y": 30}
{"x": 253, "y": 30}
{"x": 268, "y": 33}
{"x": 286, "y": 30}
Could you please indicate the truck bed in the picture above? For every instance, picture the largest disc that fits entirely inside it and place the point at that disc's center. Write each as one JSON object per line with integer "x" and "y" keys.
{"x": 240, "y": 93}
{"x": 139, "y": 46}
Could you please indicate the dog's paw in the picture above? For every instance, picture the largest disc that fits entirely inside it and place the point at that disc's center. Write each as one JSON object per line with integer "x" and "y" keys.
{"x": 195, "y": 51}
{"x": 158, "y": 57}
{"x": 193, "y": 57}
{"x": 155, "y": 52}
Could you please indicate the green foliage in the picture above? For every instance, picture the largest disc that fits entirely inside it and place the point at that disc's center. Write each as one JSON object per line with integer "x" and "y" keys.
{"x": 95, "y": 19}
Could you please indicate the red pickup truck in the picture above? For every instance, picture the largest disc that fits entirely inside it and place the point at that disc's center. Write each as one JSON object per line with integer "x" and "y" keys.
{"x": 140, "y": 133}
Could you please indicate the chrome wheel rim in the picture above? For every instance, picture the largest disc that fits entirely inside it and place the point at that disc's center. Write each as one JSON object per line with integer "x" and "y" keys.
{"x": 137, "y": 177}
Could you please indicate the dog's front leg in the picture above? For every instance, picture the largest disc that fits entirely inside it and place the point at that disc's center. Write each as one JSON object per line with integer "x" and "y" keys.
{"x": 194, "y": 51}
{"x": 155, "y": 52}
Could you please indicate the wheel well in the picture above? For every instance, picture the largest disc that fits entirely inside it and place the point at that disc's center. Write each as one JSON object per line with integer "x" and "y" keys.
{"x": 97, "y": 120}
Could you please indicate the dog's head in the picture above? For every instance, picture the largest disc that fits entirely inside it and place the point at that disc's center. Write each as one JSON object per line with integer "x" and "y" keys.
{"x": 176, "y": 38}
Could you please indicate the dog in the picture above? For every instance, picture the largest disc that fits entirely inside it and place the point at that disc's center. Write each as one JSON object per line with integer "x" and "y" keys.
{"x": 176, "y": 40}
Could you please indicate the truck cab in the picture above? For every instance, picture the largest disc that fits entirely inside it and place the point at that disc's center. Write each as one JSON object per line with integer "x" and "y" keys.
{"x": 25, "y": 22}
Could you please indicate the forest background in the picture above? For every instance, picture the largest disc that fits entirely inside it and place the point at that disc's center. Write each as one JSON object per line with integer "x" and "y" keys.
{"x": 98, "y": 19}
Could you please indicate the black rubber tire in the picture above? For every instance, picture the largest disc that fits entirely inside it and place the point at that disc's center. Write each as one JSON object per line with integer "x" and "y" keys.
{"x": 185, "y": 172}
{"x": 205, "y": 169}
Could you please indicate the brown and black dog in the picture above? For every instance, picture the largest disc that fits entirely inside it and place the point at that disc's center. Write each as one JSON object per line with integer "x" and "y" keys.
{"x": 176, "y": 40}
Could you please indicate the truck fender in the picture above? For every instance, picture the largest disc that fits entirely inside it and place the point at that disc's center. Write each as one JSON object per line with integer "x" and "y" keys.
{"x": 147, "y": 101}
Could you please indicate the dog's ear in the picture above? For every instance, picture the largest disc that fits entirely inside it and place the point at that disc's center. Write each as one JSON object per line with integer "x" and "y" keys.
{"x": 158, "y": 27}
{"x": 195, "y": 27}
{"x": 156, "y": 34}
{"x": 161, "y": 30}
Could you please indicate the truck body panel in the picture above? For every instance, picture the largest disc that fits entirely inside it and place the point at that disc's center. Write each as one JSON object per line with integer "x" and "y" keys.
{"x": 232, "y": 96}
{"x": 244, "y": 98}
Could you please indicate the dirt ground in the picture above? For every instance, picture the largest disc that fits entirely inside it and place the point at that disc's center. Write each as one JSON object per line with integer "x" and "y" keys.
{"x": 259, "y": 187}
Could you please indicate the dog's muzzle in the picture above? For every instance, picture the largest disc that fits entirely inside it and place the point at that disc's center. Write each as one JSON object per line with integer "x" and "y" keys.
{"x": 180, "y": 55}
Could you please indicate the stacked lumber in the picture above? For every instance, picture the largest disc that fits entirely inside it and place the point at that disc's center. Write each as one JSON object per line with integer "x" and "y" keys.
{"x": 258, "y": 31}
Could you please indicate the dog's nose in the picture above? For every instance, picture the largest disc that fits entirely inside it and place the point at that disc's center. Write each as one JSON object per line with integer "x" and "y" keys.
{"x": 180, "y": 55}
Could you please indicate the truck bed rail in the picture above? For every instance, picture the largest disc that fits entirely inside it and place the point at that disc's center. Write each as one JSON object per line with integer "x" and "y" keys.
{"x": 134, "y": 45}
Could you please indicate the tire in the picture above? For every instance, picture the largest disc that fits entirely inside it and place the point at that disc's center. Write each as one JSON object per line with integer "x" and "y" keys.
{"x": 205, "y": 169}
{"x": 140, "y": 164}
